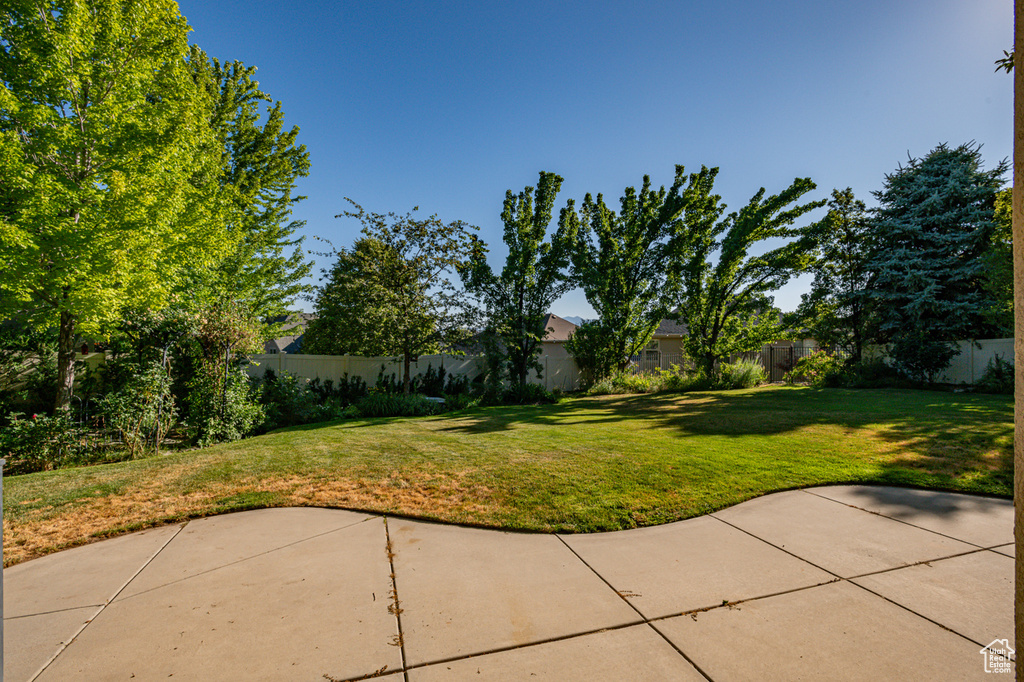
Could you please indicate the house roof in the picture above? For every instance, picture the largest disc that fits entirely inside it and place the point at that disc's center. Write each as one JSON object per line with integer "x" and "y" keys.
{"x": 291, "y": 343}
{"x": 558, "y": 329}
{"x": 670, "y": 328}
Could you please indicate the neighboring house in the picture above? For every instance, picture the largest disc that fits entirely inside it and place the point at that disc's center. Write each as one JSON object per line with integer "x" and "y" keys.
{"x": 293, "y": 326}
{"x": 558, "y": 332}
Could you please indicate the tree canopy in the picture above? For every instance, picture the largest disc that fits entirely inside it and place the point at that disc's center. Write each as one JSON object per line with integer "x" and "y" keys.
{"x": 835, "y": 311}
{"x": 110, "y": 167}
{"x": 392, "y": 293}
{"x": 534, "y": 276}
{"x": 726, "y": 305}
{"x": 624, "y": 263}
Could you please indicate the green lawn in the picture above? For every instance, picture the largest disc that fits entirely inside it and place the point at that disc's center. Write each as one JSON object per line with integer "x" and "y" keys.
{"x": 586, "y": 464}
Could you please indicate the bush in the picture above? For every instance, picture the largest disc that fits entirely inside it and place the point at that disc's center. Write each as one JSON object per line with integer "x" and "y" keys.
{"x": 41, "y": 443}
{"x": 529, "y": 394}
{"x": 817, "y": 369}
{"x": 288, "y": 401}
{"x": 740, "y": 374}
{"x": 873, "y": 374}
{"x": 347, "y": 391}
{"x": 381, "y": 404}
{"x": 217, "y": 413}
{"x": 142, "y": 411}
{"x": 998, "y": 377}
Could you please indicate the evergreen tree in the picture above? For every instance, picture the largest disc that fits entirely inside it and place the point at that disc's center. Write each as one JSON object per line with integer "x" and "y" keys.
{"x": 262, "y": 162}
{"x": 534, "y": 276}
{"x": 933, "y": 226}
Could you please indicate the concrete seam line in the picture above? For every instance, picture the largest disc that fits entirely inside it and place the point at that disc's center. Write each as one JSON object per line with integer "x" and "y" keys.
{"x": 923, "y": 562}
{"x": 121, "y": 589}
{"x": 781, "y": 549}
{"x": 891, "y": 518}
{"x": 633, "y": 606}
{"x": 254, "y": 556}
{"x": 396, "y": 606}
{"x": 910, "y": 610}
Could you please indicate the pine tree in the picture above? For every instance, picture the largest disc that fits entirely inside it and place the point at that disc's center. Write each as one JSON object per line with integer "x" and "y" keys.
{"x": 933, "y": 226}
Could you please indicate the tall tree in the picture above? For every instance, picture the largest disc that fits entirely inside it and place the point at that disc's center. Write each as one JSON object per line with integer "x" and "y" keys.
{"x": 534, "y": 276}
{"x": 725, "y": 304}
{"x": 624, "y": 262}
{"x": 835, "y": 310}
{"x": 392, "y": 294}
{"x": 262, "y": 162}
{"x": 109, "y": 160}
{"x": 998, "y": 268}
{"x": 933, "y": 226}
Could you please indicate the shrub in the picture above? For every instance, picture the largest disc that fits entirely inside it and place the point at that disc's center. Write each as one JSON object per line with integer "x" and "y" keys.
{"x": 740, "y": 374}
{"x": 873, "y": 374}
{"x": 218, "y": 413}
{"x": 288, "y": 400}
{"x": 817, "y": 369}
{"x": 40, "y": 443}
{"x": 998, "y": 377}
{"x": 347, "y": 391}
{"x": 142, "y": 411}
{"x": 381, "y": 404}
{"x": 529, "y": 394}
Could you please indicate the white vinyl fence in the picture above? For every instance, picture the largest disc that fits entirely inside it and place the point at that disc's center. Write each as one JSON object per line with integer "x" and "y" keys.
{"x": 560, "y": 373}
{"x": 968, "y": 365}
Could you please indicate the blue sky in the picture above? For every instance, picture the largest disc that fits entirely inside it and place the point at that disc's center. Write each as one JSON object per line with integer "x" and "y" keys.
{"x": 445, "y": 105}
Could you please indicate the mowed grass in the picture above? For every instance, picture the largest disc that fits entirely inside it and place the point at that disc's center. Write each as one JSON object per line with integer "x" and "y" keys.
{"x": 586, "y": 464}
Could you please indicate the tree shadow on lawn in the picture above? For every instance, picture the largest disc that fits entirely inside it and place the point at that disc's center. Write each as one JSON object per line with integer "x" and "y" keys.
{"x": 962, "y": 441}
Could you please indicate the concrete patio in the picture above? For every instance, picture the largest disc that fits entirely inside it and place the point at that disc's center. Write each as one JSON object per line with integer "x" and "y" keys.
{"x": 837, "y": 583}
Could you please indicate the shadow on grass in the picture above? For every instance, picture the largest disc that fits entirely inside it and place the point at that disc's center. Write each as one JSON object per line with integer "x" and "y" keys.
{"x": 955, "y": 441}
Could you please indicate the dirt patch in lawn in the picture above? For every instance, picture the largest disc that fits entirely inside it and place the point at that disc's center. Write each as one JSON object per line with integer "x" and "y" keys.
{"x": 436, "y": 496}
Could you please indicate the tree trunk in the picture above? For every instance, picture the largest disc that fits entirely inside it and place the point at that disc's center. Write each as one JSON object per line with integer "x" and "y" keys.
{"x": 406, "y": 381}
{"x": 65, "y": 363}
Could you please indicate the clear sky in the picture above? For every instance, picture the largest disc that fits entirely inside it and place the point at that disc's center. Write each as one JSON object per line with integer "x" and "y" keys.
{"x": 445, "y": 105}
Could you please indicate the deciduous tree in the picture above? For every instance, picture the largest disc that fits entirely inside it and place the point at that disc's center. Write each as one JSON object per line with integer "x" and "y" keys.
{"x": 392, "y": 294}
{"x": 535, "y": 275}
{"x": 835, "y": 310}
{"x": 726, "y": 304}
{"x": 110, "y": 167}
{"x": 624, "y": 262}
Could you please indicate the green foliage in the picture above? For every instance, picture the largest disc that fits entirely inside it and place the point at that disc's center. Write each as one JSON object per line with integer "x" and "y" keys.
{"x": 933, "y": 227}
{"x": 528, "y": 394}
{"x": 998, "y": 267}
{"x": 261, "y": 163}
{"x": 725, "y": 304}
{"x": 998, "y": 377}
{"x": 378, "y": 404}
{"x": 817, "y": 369}
{"x": 289, "y": 401}
{"x": 142, "y": 410}
{"x": 392, "y": 294}
{"x": 593, "y": 348}
{"x": 109, "y": 166}
{"x": 41, "y": 443}
{"x": 534, "y": 276}
{"x": 674, "y": 380}
{"x": 835, "y": 311}
{"x": 740, "y": 374}
{"x": 625, "y": 263}
{"x": 222, "y": 407}
{"x": 347, "y": 390}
